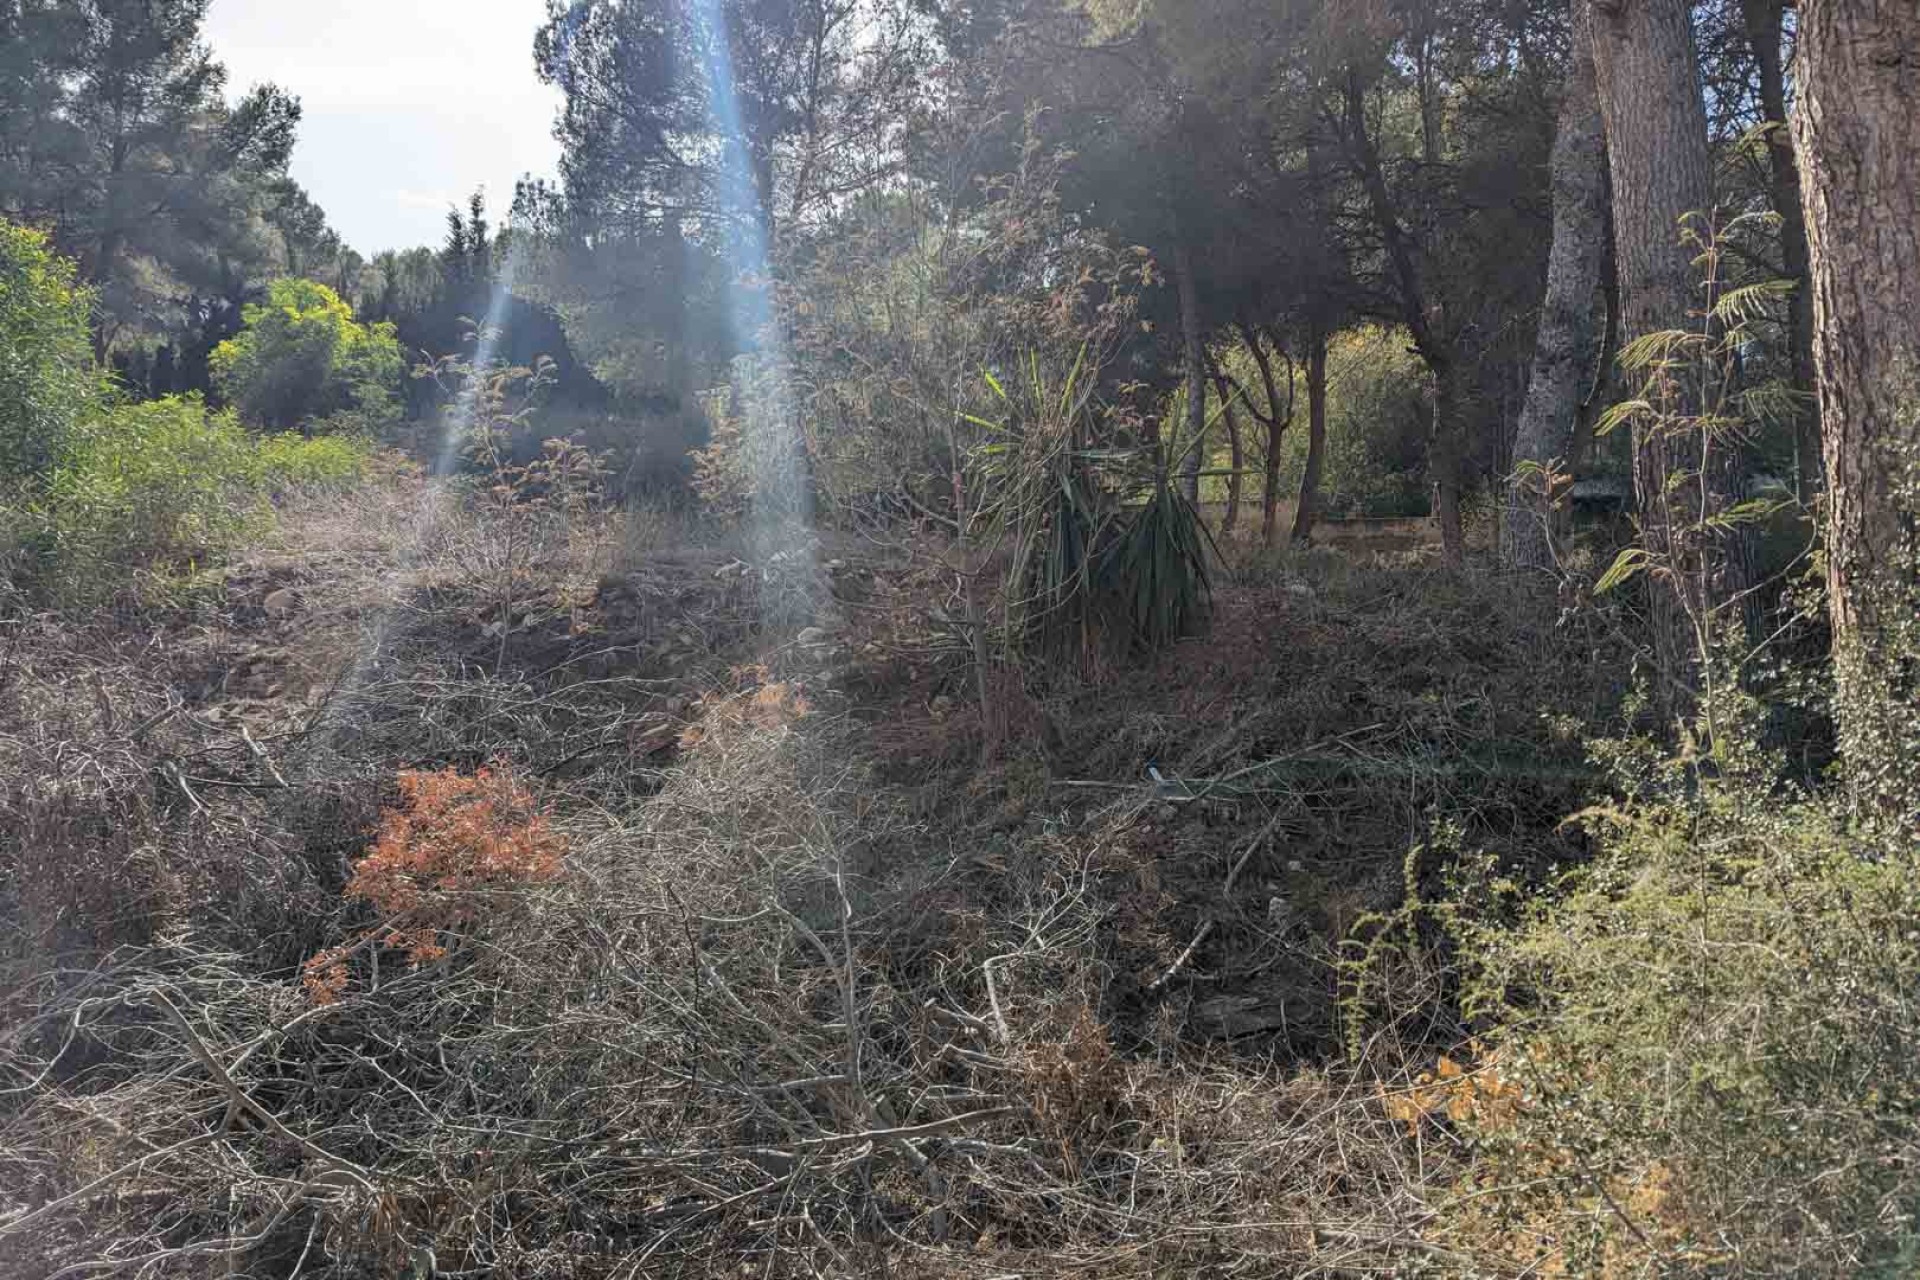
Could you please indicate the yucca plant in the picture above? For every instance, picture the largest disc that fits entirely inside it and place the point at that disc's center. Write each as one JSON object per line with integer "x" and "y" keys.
{"x": 1043, "y": 502}
{"x": 1054, "y": 579}
{"x": 1086, "y": 572}
{"x": 1158, "y": 570}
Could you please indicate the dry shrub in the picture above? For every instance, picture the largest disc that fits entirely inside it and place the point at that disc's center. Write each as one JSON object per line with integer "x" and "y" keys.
{"x": 450, "y": 835}
{"x": 757, "y": 702}
{"x": 178, "y": 802}
{"x": 452, "y": 838}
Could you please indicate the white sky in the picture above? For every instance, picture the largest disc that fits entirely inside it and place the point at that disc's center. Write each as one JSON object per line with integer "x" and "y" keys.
{"x": 409, "y": 104}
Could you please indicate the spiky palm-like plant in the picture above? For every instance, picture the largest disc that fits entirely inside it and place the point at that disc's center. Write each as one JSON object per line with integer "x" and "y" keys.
{"x": 1087, "y": 570}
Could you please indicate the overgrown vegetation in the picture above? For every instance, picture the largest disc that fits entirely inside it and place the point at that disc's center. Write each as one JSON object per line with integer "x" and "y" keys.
{"x": 166, "y": 486}
{"x": 302, "y": 360}
{"x": 1711, "y": 1036}
{"x": 45, "y": 366}
{"x": 102, "y": 487}
{"x": 822, "y": 781}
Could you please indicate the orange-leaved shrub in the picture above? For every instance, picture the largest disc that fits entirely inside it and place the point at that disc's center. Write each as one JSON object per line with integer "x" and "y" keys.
{"x": 452, "y": 838}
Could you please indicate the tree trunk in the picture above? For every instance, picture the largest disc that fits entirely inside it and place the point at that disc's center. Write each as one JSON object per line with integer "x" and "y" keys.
{"x": 1237, "y": 461}
{"x": 1565, "y": 346}
{"x": 99, "y": 273}
{"x": 1276, "y": 423}
{"x": 1427, "y": 81}
{"x": 1764, "y": 33}
{"x": 1859, "y": 138}
{"x": 1443, "y": 455}
{"x": 1307, "y": 510}
{"x": 1236, "y": 456}
{"x": 1656, "y": 128}
{"x": 1193, "y": 364}
{"x": 1443, "y": 461}
{"x": 1606, "y": 378}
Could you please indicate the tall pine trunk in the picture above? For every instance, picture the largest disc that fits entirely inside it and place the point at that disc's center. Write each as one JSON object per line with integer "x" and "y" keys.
{"x": 1566, "y": 345}
{"x": 1307, "y": 510}
{"x": 1656, "y": 127}
{"x": 1858, "y": 129}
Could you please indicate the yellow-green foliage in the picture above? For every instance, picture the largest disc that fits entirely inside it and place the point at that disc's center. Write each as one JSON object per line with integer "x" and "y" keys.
{"x": 292, "y": 461}
{"x": 47, "y": 378}
{"x": 1717, "y": 1034}
{"x": 92, "y": 488}
{"x": 302, "y": 359}
{"x": 168, "y": 483}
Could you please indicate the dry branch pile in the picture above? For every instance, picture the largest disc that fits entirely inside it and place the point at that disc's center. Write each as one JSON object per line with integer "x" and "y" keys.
{"x": 725, "y": 1035}
{"x": 773, "y": 1010}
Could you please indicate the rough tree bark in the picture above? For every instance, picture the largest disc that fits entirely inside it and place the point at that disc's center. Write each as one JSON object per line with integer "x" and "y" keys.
{"x": 1765, "y": 23}
{"x": 1566, "y": 346}
{"x": 1193, "y": 366}
{"x": 1656, "y": 130}
{"x": 1858, "y": 131}
{"x": 1307, "y": 510}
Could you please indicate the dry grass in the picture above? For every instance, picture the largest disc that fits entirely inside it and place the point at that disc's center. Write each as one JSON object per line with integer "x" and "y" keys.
{"x": 713, "y": 1041}
{"x": 814, "y": 994}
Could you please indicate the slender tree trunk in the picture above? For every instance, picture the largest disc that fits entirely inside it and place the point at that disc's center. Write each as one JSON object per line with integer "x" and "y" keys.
{"x": 810, "y": 116}
{"x": 1193, "y": 365}
{"x": 1276, "y": 423}
{"x": 1236, "y": 456}
{"x": 1444, "y": 452}
{"x": 100, "y": 273}
{"x": 1307, "y": 510}
{"x": 1238, "y": 460}
{"x": 1564, "y": 347}
{"x": 1765, "y": 21}
{"x": 1656, "y": 129}
{"x": 1859, "y": 137}
{"x": 762, "y": 195}
{"x": 1443, "y": 460}
{"x": 1428, "y": 82}
{"x": 677, "y": 261}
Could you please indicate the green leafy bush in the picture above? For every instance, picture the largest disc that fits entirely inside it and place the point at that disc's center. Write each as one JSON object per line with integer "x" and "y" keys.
{"x": 48, "y": 383}
{"x": 166, "y": 483}
{"x": 290, "y": 461}
{"x": 152, "y": 482}
{"x": 302, "y": 360}
{"x": 92, "y": 488}
{"x": 1717, "y": 1035}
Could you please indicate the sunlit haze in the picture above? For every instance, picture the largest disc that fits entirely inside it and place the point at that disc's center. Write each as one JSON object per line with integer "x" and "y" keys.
{"x": 409, "y": 104}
